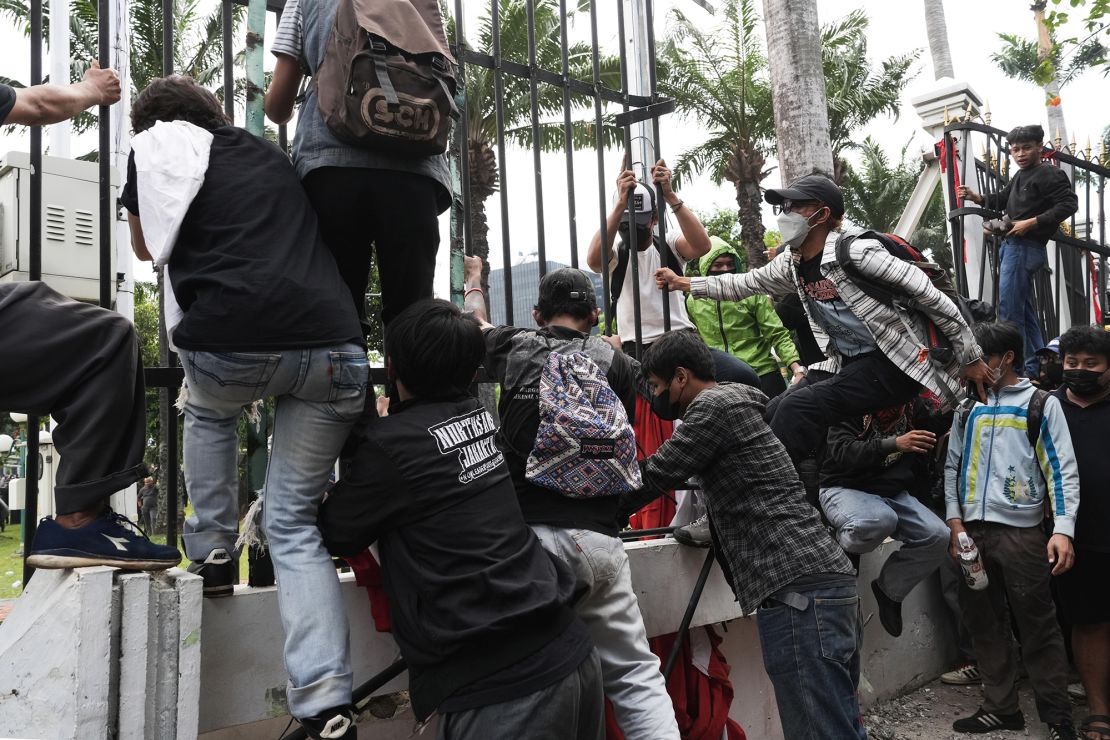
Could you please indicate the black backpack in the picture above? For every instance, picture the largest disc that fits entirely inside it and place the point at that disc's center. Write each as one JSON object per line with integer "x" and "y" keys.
{"x": 939, "y": 345}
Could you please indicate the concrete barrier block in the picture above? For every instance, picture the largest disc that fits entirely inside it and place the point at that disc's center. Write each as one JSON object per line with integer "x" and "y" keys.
{"x": 136, "y": 668}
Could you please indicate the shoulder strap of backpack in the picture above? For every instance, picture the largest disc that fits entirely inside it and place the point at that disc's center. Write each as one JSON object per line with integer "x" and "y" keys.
{"x": 880, "y": 293}
{"x": 1035, "y": 415}
{"x": 616, "y": 279}
{"x": 670, "y": 260}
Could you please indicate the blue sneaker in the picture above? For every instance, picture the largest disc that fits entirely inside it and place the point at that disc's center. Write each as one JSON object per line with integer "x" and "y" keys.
{"x": 110, "y": 539}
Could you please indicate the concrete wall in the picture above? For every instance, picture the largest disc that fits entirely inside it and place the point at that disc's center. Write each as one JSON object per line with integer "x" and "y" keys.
{"x": 242, "y": 681}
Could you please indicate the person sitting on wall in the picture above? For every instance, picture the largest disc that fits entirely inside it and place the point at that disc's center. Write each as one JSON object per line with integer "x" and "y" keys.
{"x": 1036, "y": 200}
{"x": 481, "y": 612}
{"x": 82, "y": 365}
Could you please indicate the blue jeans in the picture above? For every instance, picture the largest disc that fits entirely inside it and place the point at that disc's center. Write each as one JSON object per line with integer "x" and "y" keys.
{"x": 864, "y": 520}
{"x": 1021, "y": 259}
{"x": 318, "y": 395}
{"x": 812, "y": 657}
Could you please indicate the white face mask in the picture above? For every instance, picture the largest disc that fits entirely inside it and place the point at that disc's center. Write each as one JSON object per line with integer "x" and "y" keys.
{"x": 794, "y": 228}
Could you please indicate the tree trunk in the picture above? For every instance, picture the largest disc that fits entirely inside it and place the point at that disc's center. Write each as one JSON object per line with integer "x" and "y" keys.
{"x": 745, "y": 172}
{"x": 798, "y": 88}
{"x": 937, "y": 31}
{"x": 1057, "y": 130}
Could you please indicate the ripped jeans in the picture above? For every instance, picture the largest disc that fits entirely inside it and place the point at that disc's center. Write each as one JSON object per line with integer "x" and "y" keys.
{"x": 318, "y": 395}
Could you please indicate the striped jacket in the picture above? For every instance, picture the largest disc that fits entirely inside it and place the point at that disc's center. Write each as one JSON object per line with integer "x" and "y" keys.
{"x": 992, "y": 474}
{"x": 781, "y": 276}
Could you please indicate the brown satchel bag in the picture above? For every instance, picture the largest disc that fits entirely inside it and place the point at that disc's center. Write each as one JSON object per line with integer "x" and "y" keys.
{"x": 386, "y": 81}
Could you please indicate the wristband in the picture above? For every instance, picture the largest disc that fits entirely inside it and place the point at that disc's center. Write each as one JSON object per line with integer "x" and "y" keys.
{"x": 676, "y": 206}
{"x": 473, "y": 290}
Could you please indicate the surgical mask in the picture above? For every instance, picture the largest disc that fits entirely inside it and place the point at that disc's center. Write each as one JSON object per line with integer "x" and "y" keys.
{"x": 643, "y": 236}
{"x": 1084, "y": 383}
{"x": 663, "y": 407}
{"x": 794, "y": 228}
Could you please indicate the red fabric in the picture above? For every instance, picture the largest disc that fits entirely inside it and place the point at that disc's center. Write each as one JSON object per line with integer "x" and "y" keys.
{"x": 955, "y": 180}
{"x": 1097, "y": 299}
{"x": 368, "y": 574}
{"x": 701, "y": 702}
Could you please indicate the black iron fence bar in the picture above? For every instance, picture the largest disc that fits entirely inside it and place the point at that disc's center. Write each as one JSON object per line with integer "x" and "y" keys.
{"x": 107, "y": 204}
{"x": 227, "y": 21}
{"x": 599, "y": 145}
{"x": 635, "y": 534}
{"x": 464, "y": 127}
{"x": 955, "y": 221}
{"x": 598, "y": 88}
{"x": 537, "y": 164}
{"x": 649, "y": 22}
{"x": 502, "y": 167}
{"x": 568, "y": 138}
{"x": 633, "y": 232}
{"x": 34, "y": 235}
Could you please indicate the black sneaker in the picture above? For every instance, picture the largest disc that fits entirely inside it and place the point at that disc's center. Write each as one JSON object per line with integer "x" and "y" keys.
{"x": 987, "y": 722}
{"x": 219, "y": 573}
{"x": 890, "y": 611}
{"x": 110, "y": 539}
{"x": 1062, "y": 731}
{"x": 333, "y": 723}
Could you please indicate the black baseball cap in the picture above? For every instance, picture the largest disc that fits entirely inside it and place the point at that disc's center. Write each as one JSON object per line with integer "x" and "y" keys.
{"x": 811, "y": 187}
{"x": 563, "y": 286}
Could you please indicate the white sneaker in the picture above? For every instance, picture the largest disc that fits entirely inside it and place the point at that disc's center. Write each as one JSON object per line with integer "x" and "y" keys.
{"x": 965, "y": 675}
{"x": 696, "y": 533}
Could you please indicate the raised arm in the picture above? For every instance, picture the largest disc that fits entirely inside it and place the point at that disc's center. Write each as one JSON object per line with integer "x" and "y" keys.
{"x": 626, "y": 183}
{"x": 694, "y": 240}
{"x": 474, "y": 298}
{"x": 45, "y": 104}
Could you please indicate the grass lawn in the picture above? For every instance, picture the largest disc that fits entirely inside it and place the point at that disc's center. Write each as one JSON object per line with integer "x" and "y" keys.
{"x": 11, "y": 566}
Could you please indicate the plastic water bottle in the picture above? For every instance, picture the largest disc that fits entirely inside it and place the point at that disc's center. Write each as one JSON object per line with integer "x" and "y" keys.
{"x": 974, "y": 572}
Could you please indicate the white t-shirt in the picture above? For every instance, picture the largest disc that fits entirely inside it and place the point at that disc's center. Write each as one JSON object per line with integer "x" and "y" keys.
{"x": 651, "y": 298}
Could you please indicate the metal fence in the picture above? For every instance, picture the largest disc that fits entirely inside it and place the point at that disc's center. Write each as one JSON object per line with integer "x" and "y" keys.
{"x": 636, "y": 111}
{"x": 1073, "y": 290}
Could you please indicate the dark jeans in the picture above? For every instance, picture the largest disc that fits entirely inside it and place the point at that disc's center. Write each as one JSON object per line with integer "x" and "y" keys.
{"x": 394, "y": 213}
{"x": 147, "y": 518}
{"x": 727, "y": 368}
{"x": 812, "y": 656}
{"x": 1021, "y": 260}
{"x": 801, "y": 418}
{"x": 571, "y": 708}
{"x": 1018, "y": 572}
{"x": 772, "y": 384}
{"x": 81, "y": 365}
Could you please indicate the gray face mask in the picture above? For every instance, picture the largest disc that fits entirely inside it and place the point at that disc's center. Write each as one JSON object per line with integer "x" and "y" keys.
{"x": 794, "y": 228}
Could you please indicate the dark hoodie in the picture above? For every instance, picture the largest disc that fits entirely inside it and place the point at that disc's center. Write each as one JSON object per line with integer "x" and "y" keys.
{"x": 478, "y": 607}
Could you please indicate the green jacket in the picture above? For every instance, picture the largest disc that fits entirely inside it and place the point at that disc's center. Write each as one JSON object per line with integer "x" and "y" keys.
{"x": 747, "y": 329}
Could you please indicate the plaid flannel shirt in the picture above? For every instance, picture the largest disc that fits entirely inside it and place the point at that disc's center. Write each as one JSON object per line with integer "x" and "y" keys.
{"x": 768, "y": 533}
{"x": 909, "y": 354}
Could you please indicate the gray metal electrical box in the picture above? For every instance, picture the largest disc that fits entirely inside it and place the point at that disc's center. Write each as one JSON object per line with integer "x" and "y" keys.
{"x": 70, "y": 223}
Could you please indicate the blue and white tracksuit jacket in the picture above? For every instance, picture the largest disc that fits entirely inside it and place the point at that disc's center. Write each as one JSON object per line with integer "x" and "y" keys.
{"x": 993, "y": 475}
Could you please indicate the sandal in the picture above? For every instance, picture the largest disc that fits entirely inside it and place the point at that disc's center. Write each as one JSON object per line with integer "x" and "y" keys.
{"x": 1099, "y": 733}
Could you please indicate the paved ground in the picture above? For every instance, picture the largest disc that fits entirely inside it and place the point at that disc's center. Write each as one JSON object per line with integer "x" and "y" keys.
{"x": 928, "y": 713}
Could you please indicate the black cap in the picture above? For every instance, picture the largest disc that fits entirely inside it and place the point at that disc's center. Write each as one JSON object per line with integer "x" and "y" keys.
{"x": 562, "y": 286}
{"x": 810, "y": 187}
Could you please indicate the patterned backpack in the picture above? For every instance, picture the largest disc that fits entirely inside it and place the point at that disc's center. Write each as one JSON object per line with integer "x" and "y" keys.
{"x": 584, "y": 446}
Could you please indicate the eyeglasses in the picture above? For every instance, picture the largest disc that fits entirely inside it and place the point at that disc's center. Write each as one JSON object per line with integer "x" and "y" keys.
{"x": 792, "y": 205}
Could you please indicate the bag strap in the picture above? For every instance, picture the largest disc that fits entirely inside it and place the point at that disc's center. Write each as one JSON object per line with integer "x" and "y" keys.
{"x": 942, "y": 381}
{"x": 616, "y": 279}
{"x": 1034, "y": 416}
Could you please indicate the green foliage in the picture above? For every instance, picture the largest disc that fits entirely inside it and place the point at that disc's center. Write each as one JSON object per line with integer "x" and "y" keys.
{"x": 146, "y": 327}
{"x": 772, "y": 239}
{"x": 1019, "y": 58}
{"x": 877, "y": 190}
{"x": 1096, "y": 24}
{"x": 722, "y": 223}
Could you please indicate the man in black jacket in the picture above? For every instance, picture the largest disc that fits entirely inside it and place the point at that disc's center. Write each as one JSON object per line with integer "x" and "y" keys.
{"x": 869, "y": 471}
{"x": 1038, "y": 198}
{"x": 480, "y": 611}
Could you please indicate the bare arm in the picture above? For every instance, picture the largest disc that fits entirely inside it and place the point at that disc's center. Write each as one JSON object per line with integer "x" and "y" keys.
{"x": 282, "y": 94}
{"x": 45, "y": 104}
{"x": 626, "y": 182}
{"x": 474, "y": 298}
{"x": 138, "y": 241}
{"x": 694, "y": 242}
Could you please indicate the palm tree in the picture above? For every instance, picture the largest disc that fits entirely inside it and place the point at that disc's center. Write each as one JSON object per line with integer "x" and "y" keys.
{"x": 937, "y": 31}
{"x": 480, "y": 110}
{"x": 718, "y": 78}
{"x": 798, "y": 87}
{"x": 856, "y": 93}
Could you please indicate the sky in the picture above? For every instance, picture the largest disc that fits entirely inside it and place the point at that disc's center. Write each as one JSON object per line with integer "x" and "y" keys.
{"x": 896, "y": 28}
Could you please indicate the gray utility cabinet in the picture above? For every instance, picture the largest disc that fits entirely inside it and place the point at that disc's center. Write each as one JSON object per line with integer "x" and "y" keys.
{"x": 70, "y": 223}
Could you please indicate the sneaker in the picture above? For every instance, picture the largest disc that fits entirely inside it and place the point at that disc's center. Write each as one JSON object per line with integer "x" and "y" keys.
{"x": 988, "y": 722}
{"x": 696, "y": 533}
{"x": 1076, "y": 692}
{"x": 890, "y": 611}
{"x": 110, "y": 539}
{"x": 219, "y": 573}
{"x": 1062, "y": 731}
{"x": 965, "y": 675}
{"x": 332, "y": 723}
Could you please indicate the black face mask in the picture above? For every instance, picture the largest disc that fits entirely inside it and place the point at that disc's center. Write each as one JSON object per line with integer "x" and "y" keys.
{"x": 1085, "y": 383}
{"x": 730, "y": 271}
{"x": 643, "y": 236}
{"x": 664, "y": 408}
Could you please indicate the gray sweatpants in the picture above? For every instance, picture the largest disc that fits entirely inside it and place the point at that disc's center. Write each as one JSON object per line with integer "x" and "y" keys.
{"x": 571, "y": 709}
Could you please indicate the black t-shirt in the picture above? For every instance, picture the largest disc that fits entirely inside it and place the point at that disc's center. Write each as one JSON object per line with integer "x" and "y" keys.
{"x": 1089, "y": 429}
{"x": 249, "y": 269}
{"x": 515, "y": 358}
{"x": 7, "y": 101}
